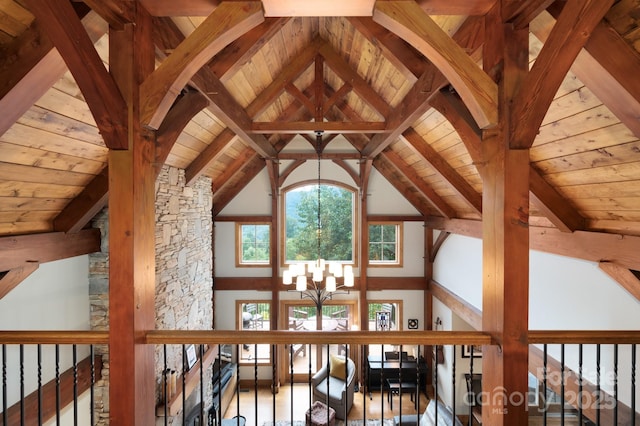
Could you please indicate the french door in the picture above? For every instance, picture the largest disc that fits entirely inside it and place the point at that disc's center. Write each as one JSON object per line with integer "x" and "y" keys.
{"x": 301, "y": 359}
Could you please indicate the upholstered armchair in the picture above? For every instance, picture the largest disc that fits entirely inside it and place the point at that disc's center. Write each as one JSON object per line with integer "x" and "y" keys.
{"x": 341, "y": 385}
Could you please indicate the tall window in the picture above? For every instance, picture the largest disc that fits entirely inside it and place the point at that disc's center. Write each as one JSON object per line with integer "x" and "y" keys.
{"x": 253, "y": 244}
{"x": 385, "y": 244}
{"x": 337, "y": 208}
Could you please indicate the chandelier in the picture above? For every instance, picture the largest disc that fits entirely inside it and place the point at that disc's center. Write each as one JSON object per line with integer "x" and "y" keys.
{"x": 323, "y": 275}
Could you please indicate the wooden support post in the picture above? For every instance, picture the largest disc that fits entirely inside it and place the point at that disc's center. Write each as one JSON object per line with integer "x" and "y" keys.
{"x": 132, "y": 237}
{"x": 505, "y": 235}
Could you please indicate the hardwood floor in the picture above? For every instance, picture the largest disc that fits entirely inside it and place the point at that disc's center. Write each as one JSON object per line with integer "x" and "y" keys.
{"x": 299, "y": 394}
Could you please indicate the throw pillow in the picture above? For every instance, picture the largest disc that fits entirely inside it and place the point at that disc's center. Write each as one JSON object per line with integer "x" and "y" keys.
{"x": 337, "y": 367}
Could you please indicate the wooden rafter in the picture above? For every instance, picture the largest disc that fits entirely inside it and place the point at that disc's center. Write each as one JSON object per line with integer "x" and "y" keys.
{"x": 210, "y": 154}
{"x": 221, "y": 103}
{"x": 623, "y": 276}
{"x": 476, "y": 88}
{"x": 623, "y": 250}
{"x": 31, "y": 65}
{"x": 436, "y": 200}
{"x": 564, "y": 216}
{"x": 569, "y": 35}
{"x": 116, "y": 12}
{"x": 79, "y": 211}
{"x": 232, "y": 57}
{"x": 13, "y": 277}
{"x": 251, "y": 169}
{"x": 442, "y": 168}
{"x": 604, "y": 66}
{"x": 228, "y": 22}
{"x": 226, "y": 178}
{"x": 387, "y": 170}
{"x": 99, "y": 89}
{"x": 416, "y": 102}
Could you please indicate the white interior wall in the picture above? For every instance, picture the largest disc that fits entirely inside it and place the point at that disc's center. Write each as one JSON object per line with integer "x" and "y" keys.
{"x": 54, "y": 297}
{"x": 564, "y": 294}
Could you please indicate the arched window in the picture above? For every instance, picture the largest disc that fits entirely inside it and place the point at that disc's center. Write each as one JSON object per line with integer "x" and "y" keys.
{"x": 336, "y": 223}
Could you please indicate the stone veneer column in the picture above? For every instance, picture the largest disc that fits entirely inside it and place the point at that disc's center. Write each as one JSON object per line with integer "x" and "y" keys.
{"x": 184, "y": 273}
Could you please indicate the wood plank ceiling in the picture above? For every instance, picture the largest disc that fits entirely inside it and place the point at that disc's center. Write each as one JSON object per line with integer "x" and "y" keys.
{"x": 366, "y": 83}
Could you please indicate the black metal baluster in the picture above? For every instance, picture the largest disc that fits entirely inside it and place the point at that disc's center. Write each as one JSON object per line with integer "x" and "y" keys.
{"x": 21, "y": 384}
{"x": 633, "y": 384}
{"x": 291, "y": 383}
{"x": 562, "y": 384}
{"x": 184, "y": 385}
{"x": 165, "y": 385}
{"x": 615, "y": 384}
{"x": 399, "y": 383}
{"x": 39, "y": 384}
{"x": 4, "y": 384}
{"x": 453, "y": 379}
{"x": 544, "y": 384}
{"x": 364, "y": 351}
{"x": 470, "y": 388}
{"x": 93, "y": 382}
{"x": 57, "y": 385}
{"x": 580, "y": 361}
{"x": 598, "y": 385}
{"x": 201, "y": 384}
{"x": 74, "y": 352}
{"x": 382, "y": 379}
{"x": 273, "y": 383}
{"x": 237, "y": 386}
{"x": 328, "y": 375}
{"x": 310, "y": 387}
{"x": 346, "y": 374}
{"x": 255, "y": 381}
{"x": 435, "y": 393}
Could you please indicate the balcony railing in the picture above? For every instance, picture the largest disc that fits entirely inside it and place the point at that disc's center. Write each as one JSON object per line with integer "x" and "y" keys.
{"x": 586, "y": 378}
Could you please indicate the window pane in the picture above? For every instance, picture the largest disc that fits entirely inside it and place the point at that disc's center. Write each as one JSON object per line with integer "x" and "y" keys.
{"x": 336, "y": 223}
{"x": 389, "y": 252}
{"x": 255, "y": 243}
{"x": 375, "y": 233}
{"x": 383, "y": 243}
{"x": 389, "y": 233}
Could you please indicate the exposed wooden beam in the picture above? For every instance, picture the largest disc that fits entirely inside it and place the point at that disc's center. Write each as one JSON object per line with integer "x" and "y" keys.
{"x": 325, "y": 126}
{"x": 568, "y": 36}
{"x": 210, "y": 154}
{"x": 314, "y": 156}
{"x": 15, "y": 251}
{"x": 553, "y": 205}
{"x": 98, "y": 87}
{"x": 228, "y": 22}
{"x": 604, "y": 66}
{"x": 477, "y": 89}
{"x": 404, "y": 58}
{"x": 226, "y": 178}
{"x": 557, "y": 209}
{"x": 221, "y": 103}
{"x": 338, "y": 65}
{"x": 206, "y": 7}
{"x": 79, "y": 211}
{"x": 385, "y": 168}
{"x": 442, "y": 237}
{"x": 116, "y": 12}
{"x": 13, "y": 277}
{"x": 236, "y": 54}
{"x": 523, "y": 12}
{"x": 623, "y": 250}
{"x": 441, "y": 167}
{"x": 416, "y": 102}
{"x": 251, "y": 170}
{"x": 436, "y": 200}
{"x": 186, "y": 107}
{"x": 622, "y": 276}
{"x": 290, "y": 168}
{"x": 31, "y": 65}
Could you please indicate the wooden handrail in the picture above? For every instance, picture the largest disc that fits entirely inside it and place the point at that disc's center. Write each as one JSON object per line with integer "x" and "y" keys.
{"x": 584, "y": 336}
{"x": 62, "y": 337}
{"x": 319, "y": 337}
